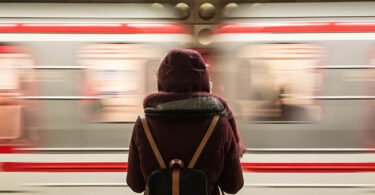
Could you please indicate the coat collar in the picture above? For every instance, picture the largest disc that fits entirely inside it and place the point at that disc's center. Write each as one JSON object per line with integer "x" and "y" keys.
{"x": 167, "y": 102}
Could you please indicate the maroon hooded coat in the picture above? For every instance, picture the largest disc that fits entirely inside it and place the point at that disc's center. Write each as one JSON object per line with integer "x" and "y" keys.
{"x": 179, "y": 115}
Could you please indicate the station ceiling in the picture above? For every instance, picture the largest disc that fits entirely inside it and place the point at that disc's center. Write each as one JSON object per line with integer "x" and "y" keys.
{"x": 174, "y": 1}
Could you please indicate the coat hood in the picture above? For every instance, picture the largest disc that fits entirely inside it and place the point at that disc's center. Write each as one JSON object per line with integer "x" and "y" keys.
{"x": 184, "y": 88}
{"x": 183, "y": 71}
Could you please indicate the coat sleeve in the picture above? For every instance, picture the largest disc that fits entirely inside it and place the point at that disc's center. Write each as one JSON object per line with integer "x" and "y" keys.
{"x": 134, "y": 176}
{"x": 231, "y": 179}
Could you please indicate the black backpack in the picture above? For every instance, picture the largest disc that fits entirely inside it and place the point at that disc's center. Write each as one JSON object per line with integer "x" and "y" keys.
{"x": 176, "y": 179}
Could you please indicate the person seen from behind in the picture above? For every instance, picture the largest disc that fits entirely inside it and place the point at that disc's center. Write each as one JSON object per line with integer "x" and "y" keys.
{"x": 178, "y": 116}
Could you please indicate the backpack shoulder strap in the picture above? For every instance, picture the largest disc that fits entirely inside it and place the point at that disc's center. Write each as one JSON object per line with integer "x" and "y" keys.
{"x": 204, "y": 141}
{"x": 151, "y": 140}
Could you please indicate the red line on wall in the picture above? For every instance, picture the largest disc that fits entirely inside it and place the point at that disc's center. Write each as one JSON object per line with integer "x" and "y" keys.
{"x": 296, "y": 27}
{"x": 13, "y": 49}
{"x": 95, "y": 28}
{"x": 246, "y": 167}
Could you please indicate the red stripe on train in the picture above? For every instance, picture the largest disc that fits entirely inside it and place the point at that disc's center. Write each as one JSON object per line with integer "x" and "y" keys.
{"x": 14, "y": 149}
{"x": 7, "y": 149}
{"x": 246, "y": 167}
{"x": 296, "y": 27}
{"x": 308, "y": 167}
{"x": 97, "y": 28}
{"x": 64, "y": 167}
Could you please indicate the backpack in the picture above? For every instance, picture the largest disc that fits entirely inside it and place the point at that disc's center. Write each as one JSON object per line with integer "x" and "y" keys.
{"x": 176, "y": 179}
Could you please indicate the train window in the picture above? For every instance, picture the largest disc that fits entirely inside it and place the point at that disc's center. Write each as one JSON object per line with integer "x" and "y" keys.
{"x": 14, "y": 75}
{"x": 114, "y": 74}
{"x": 369, "y": 109}
{"x": 277, "y": 82}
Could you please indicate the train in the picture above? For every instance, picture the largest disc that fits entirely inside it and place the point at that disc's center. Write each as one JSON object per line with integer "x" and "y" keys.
{"x": 299, "y": 77}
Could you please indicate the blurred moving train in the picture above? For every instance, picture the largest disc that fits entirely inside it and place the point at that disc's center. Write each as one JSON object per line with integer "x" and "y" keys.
{"x": 300, "y": 78}
{"x": 92, "y": 65}
{"x": 307, "y": 66}
{"x": 74, "y": 76}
